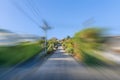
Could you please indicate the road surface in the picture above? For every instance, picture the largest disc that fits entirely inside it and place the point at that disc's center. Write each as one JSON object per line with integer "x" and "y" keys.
{"x": 61, "y": 66}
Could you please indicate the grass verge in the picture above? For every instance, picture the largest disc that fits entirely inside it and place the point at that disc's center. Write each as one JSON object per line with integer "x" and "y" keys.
{"x": 12, "y": 55}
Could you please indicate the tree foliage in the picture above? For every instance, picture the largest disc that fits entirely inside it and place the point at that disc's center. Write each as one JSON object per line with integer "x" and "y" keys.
{"x": 84, "y": 43}
{"x": 52, "y": 43}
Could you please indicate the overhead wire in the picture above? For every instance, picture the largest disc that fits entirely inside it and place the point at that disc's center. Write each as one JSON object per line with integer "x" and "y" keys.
{"x": 24, "y": 12}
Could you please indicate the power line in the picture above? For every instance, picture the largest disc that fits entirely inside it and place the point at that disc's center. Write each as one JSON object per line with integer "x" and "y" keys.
{"x": 38, "y": 11}
{"x": 29, "y": 6}
{"x": 24, "y": 12}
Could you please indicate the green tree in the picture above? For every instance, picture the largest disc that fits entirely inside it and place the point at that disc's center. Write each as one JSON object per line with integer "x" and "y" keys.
{"x": 52, "y": 43}
{"x": 86, "y": 42}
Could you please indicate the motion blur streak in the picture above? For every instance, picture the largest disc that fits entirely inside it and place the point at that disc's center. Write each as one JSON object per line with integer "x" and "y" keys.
{"x": 88, "y": 54}
{"x": 62, "y": 69}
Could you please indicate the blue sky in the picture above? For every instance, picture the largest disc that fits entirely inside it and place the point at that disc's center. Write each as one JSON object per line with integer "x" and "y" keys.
{"x": 65, "y": 16}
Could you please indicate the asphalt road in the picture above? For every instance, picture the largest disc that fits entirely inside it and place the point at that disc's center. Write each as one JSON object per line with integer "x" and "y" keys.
{"x": 61, "y": 66}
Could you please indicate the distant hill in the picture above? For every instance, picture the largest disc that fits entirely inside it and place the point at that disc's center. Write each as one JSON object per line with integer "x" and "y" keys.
{"x": 5, "y": 31}
{"x": 9, "y": 38}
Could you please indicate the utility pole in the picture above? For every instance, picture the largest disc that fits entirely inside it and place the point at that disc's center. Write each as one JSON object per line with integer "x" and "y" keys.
{"x": 45, "y": 28}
